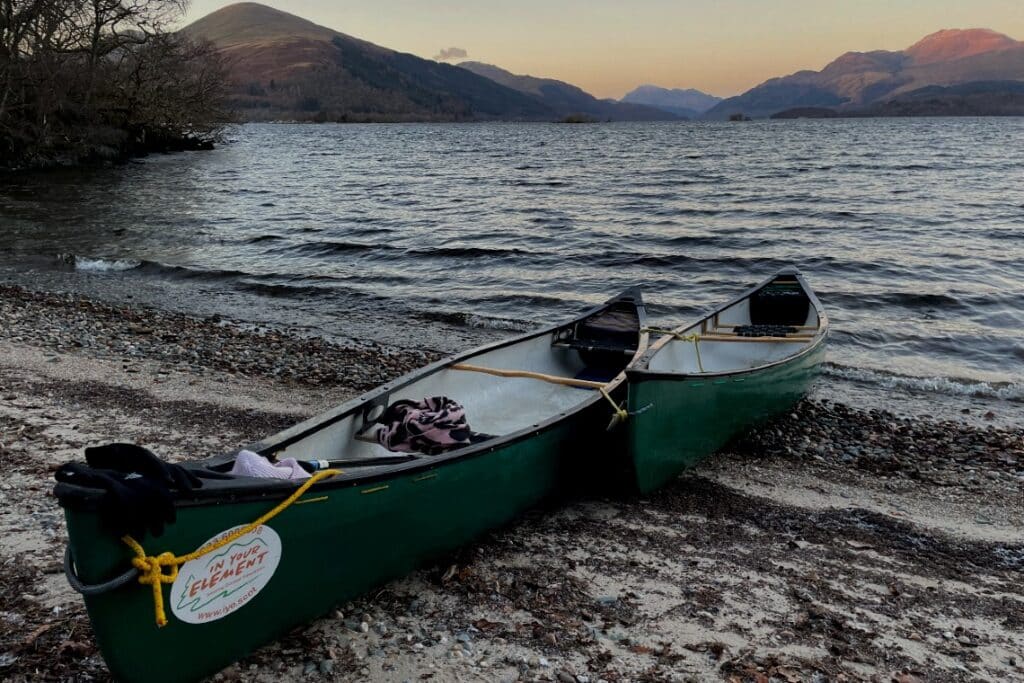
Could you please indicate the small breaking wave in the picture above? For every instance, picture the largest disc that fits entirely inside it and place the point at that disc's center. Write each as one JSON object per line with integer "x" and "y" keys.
{"x": 950, "y": 386}
{"x": 478, "y": 321}
{"x": 99, "y": 265}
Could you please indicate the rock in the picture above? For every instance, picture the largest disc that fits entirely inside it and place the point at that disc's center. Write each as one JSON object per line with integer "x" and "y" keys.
{"x": 364, "y": 627}
{"x": 565, "y": 677}
{"x": 326, "y": 667}
{"x": 948, "y": 635}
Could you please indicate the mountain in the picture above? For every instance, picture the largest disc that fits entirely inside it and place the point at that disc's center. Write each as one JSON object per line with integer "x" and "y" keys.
{"x": 566, "y": 99}
{"x": 689, "y": 103}
{"x": 978, "y": 98}
{"x": 857, "y": 80}
{"x": 283, "y": 66}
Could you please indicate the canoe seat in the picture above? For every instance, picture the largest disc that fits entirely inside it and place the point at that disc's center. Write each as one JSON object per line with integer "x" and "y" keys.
{"x": 767, "y": 340}
{"x": 782, "y": 302}
{"x": 588, "y": 346}
{"x": 604, "y": 338}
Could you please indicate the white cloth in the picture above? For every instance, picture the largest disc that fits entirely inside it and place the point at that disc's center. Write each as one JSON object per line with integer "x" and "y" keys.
{"x": 249, "y": 464}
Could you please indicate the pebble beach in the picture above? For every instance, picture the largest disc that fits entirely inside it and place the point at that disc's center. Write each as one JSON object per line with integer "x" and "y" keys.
{"x": 838, "y": 543}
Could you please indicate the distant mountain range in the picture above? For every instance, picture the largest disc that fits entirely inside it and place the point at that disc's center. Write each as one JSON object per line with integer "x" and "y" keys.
{"x": 283, "y": 66}
{"x": 569, "y": 100}
{"x": 863, "y": 82}
{"x": 689, "y": 103}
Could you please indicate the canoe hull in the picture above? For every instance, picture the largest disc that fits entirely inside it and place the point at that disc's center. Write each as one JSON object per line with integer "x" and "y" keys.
{"x": 680, "y": 420}
{"x": 336, "y": 544}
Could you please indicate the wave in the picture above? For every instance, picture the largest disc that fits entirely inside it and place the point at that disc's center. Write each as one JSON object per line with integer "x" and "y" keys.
{"x": 100, "y": 265}
{"x": 189, "y": 273}
{"x": 949, "y": 386}
{"x": 280, "y": 290}
{"x": 327, "y": 248}
{"x": 911, "y": 300}
{"x": 469, "y": 252}
{"x": 477, "y": 321}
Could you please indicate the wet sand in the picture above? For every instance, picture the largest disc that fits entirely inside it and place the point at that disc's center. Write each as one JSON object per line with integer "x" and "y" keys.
{"x": 835, "y": 544}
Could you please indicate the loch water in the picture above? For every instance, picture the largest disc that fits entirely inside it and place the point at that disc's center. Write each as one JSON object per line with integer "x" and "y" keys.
{"x": 443, "y": 236}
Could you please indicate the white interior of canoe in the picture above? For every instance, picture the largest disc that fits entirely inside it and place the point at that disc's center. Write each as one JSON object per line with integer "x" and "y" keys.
{"x": 720, "y": 351}
{"x": 494, "y": 405}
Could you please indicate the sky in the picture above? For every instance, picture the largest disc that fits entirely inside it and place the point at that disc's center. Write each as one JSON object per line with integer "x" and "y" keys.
{"x": 608, "y": 47}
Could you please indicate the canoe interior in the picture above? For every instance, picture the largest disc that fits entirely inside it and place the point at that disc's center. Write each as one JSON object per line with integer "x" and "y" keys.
{"x": 719, "y": 349}
{"x": 494, "y": 405}
{"x": 692, "y": 395}
{"x": 593, "y": 349}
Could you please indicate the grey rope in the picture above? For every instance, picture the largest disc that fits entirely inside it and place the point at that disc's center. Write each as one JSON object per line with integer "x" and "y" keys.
{"x": 99, "y": 588}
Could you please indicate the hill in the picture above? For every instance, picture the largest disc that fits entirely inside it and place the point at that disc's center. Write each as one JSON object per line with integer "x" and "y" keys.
{"x": 283, "y": 66}
{"x": 857, "y": 80}
{"x": 567, "y": 99}
{"x": 981, "y": 98}
{"x": 689, "y": 103}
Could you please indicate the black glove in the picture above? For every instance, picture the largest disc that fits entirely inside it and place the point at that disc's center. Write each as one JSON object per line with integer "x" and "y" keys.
{"x": 126, "y": 457}
{"x": 131, "y": 504}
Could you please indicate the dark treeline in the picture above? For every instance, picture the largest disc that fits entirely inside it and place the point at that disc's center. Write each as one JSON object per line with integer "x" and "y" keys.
{"x": 85, "y": 80}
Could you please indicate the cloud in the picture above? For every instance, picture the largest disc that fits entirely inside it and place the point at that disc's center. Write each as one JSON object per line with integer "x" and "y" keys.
{"x": 449, "y": 53}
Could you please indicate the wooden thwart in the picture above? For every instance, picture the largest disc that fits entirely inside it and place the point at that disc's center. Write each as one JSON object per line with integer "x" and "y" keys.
{"x": 526, "y": 374}
{"x": 737, "y": 338}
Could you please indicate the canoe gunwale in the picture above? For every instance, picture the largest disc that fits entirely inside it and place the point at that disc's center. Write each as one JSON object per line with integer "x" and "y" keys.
{"x": 640, "y": 371}
{"x": 241, "y": 490}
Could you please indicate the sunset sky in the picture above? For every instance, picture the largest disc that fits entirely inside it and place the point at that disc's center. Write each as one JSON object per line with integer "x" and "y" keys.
{"x": 608, "y": 47}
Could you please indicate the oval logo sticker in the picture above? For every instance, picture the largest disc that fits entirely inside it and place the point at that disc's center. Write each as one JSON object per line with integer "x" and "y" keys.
{"x": 215, "y": 585}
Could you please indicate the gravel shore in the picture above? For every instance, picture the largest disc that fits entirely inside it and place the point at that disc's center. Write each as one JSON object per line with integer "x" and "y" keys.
{"x": 835, "y": 544}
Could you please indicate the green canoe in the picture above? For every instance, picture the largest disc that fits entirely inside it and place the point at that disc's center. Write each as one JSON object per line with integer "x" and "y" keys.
{"x": 704, "y": 383}
{"x": 540, "y": 395}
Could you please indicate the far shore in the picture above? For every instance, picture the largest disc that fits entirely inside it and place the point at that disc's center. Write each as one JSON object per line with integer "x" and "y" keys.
{"x": 838, "y": 543}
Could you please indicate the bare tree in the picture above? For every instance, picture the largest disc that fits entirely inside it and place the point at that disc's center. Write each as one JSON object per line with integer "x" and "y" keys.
{"x": 78, "y": 76}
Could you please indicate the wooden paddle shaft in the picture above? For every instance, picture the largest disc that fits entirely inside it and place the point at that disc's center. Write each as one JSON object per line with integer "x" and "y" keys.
{"x": 526, "y": 374}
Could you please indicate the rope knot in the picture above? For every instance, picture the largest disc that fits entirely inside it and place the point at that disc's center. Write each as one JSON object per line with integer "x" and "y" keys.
{"x": 151, "y": 568}
{"x": 620, "y": 414}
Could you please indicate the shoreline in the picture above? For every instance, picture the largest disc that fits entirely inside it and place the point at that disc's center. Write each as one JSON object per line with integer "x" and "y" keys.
{"x": 834, "y": 541}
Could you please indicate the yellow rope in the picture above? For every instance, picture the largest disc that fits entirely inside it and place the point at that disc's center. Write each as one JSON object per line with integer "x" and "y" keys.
{"x": 695, "y": 338}
{"x": 621, "y": 414}
{"x": 151, "y": 567}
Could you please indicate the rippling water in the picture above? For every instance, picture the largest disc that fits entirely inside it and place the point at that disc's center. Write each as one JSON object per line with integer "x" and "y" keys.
{"x": 912, "y": 232}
